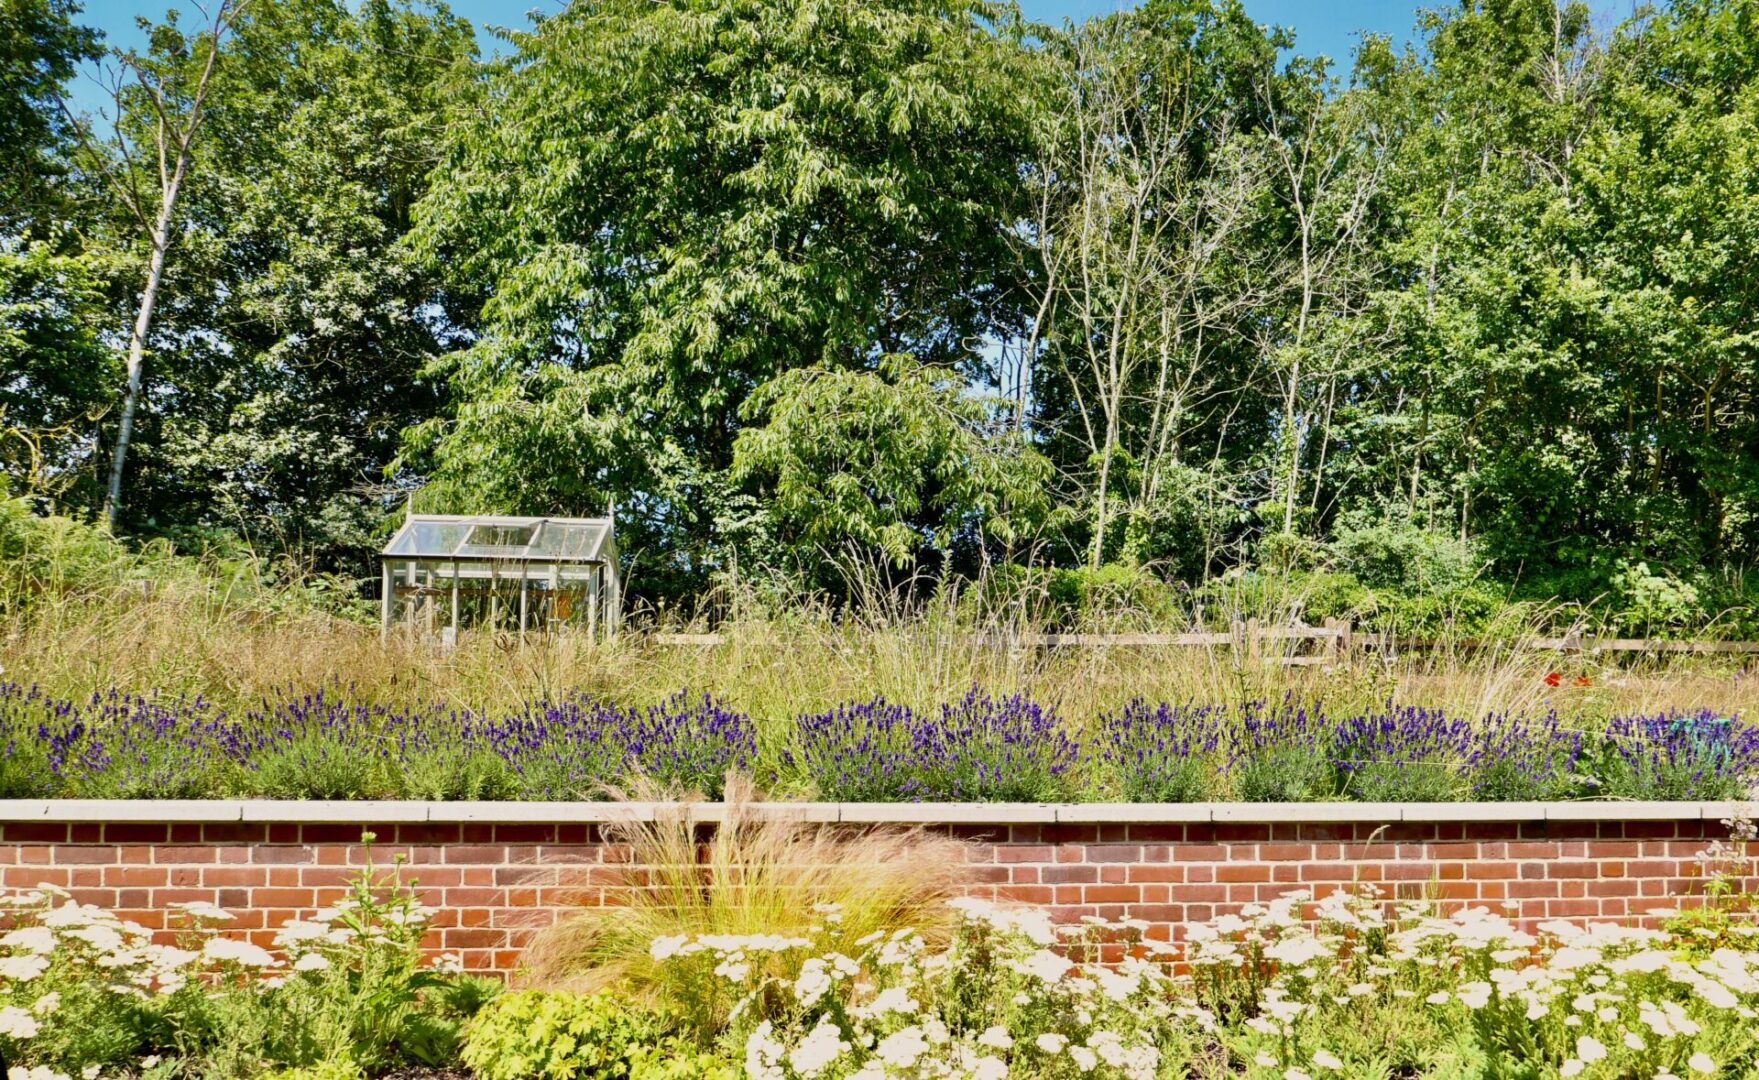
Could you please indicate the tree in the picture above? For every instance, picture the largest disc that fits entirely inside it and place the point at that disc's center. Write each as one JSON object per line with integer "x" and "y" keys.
{"x": 293, "y": 333}
{"x": 1153, "y": 197}
{"x": 670, "y": 204}
{"x": 160, "y": 98}
{"x": 55, "y": 367}
{"x": 1328, "y": 159}
{"x": 40, "y": 48}
{"x": 897, "y": 460}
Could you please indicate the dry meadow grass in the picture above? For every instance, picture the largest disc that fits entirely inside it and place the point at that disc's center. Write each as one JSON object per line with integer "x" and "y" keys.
{"x": 201, "y": 640}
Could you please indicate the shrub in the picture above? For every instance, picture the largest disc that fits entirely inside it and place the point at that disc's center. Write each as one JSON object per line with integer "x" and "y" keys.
{"x": 115, "y": 746}
{"x": 1281, "y": 754}
{"x": 357, "y": 988}
{"x": 322, "y": 745}
{"x": 574, "y": 746}
{"x": 996, "y": 1001}
{"x": 1514, "y": 759}
{"x": 24, "y": 764}
{"x": 1402, "y": 754}
{"x": 1086, "y": 597}
{"x": 542, "y": 1035}
{"x": 977, "y": 749}
{"x": 1401, "y": 554}
{"x": 1652, "y": 603}
{"x": 72, "y": 978}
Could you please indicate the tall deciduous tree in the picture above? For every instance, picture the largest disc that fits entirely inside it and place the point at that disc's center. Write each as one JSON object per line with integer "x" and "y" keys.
{"x": 293, "y": 335}
{"x": 40, "y": 48}
{"x": 671, "y": 204}
{"x": 1154, "y": 201}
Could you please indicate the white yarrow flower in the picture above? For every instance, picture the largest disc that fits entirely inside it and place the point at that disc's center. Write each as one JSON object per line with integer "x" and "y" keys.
{"x": 240, "y": 952}
{"x": 15, "y": 1023}
{"x": 996, "y": 1037}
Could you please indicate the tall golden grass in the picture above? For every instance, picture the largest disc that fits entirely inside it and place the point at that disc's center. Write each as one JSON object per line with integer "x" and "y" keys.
{"x": 237, "y": 641}
{"x": 762, "y": 870}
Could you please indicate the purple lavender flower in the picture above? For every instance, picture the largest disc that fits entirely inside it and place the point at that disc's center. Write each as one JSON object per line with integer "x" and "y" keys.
{"x": 1164, "y": 753}
{"x": 578, "y": 747}
{"x": 1679, "y": 755}
{"x": 1402, "y": 753}
{"x": 977, "y": 749}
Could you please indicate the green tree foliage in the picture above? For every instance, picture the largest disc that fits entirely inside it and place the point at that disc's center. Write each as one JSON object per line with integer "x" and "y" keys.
{"x": 40, "y": 46}
{"x": 1567, "y": 227}
{"x": 668, "y": 205}
{"x": 900, "y": 461}
{"x": 54, "y": 371}
{"x": 295, "y": 326}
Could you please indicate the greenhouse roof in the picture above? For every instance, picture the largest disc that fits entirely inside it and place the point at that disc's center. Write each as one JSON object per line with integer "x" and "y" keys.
{"x": 520, "y": 539}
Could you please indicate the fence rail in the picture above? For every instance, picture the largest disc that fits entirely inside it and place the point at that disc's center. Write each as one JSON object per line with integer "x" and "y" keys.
{"x": 1300, "y": 644}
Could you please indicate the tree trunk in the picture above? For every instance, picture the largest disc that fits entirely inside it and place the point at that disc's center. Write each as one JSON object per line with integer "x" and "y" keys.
{"x": 137, "y": 347}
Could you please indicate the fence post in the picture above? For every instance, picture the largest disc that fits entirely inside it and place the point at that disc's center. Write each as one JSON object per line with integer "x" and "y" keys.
{"x": 1254, "y": 643}
{"x": 1331, "y": 641}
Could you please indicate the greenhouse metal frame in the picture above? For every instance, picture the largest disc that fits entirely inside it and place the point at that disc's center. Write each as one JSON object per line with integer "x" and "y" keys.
{"x": 446, "y": 572}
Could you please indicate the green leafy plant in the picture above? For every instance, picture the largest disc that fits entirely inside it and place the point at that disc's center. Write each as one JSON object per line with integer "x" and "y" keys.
{"x": 359, "y": 989}
{"x": 559, "y": 1035}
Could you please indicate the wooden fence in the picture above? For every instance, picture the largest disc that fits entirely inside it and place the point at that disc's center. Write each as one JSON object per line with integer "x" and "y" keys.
{"x": 1301, "y": 644}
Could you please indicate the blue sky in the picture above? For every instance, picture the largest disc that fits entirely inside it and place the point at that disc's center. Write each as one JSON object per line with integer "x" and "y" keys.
{"x": 1321, "y": 27}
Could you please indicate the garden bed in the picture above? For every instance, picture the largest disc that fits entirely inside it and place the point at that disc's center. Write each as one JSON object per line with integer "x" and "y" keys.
{"x": 821, "y": 941}
{"x": 979, "y": 748}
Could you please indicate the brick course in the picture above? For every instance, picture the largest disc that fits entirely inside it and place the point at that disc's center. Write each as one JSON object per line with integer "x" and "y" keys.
{"x": 495, "y": 883}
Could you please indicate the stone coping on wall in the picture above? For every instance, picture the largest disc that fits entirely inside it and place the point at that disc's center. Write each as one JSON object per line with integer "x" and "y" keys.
{"x": 391, "y": 812}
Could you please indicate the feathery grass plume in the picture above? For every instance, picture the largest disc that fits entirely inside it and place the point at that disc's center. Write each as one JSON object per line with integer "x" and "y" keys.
{"x": 764, "y": 870}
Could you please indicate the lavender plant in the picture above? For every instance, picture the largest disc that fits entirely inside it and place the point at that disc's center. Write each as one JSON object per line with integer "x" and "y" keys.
{"x": 321, "y": 745}
{"x": 1402, "y": 754}
{"x": 1678, "y": 755}
{"x": 1281, "y": 753}
{"x": 977, "y": 749}
{"x": 1163, "y": 753}
{"x": 24, "y": 761}
{"x": 114, "y": 746}
{"x": 324, "y": 744}
{"x": 576, "y": 747}
{"x": 1511, "y": 759}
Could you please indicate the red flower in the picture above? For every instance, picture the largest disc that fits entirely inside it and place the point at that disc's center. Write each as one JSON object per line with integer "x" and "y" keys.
{"x": 1583, "y": 680}
{"x": 1554, "y": 679}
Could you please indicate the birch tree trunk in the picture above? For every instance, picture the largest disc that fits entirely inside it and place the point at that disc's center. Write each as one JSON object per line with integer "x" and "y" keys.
{"x": 137, "y": 346}
{"x": 176, "y": 120}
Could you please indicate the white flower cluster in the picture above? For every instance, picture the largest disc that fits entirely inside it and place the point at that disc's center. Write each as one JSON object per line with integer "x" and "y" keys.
{"x": 51, "y": 935}
{"x": 52, "y": 943}
{"x": 888, "y": 1012}
{"x": 1598, "y": 1000}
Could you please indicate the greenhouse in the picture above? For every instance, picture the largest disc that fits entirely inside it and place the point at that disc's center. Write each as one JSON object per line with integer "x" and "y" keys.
{"x": 443, "y": 573}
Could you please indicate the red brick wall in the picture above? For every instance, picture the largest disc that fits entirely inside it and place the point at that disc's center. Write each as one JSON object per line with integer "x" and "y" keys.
{"x": 494, "y": 883}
